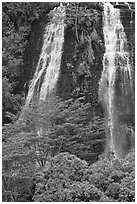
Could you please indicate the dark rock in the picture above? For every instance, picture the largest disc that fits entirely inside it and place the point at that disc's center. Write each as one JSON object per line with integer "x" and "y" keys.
{"x": 124, "y": 5}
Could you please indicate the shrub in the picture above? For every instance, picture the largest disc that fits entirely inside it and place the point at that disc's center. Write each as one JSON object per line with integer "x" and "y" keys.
{"x": 70, "y": 179}
{"x": 64, "y": 181}
{"x": 17, "y": 189}
{"x": 116, "y": 178}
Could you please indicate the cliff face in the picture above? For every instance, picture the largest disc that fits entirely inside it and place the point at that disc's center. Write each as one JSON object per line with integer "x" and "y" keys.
{"x": 66, "y": 84}
{"x": 128, "y": 20}
{"x": 127, "y": 12}
{"x": 81, "y": 64}
{"x": 71, "y": 80}
{"x": 32, "y": 53}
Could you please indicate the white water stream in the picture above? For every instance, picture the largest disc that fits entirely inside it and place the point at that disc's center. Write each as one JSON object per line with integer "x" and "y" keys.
{"x": 116, "y": 59}
{"x": 48, "y": 67}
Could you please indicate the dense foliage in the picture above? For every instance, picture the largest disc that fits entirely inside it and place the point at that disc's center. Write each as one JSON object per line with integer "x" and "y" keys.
{"x": 83, "y": 52}
{"x": 69, "y": 179}
{"x": 57, "y": 176}
{"x": 66, "y": 127}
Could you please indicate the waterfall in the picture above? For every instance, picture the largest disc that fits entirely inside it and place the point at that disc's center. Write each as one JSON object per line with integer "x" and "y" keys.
{"x": 43, "y": 85}
{"x": 47, "y": 71}
{"x": 115, "y": 86}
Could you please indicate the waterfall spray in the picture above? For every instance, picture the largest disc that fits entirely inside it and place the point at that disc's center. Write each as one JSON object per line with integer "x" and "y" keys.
{"x": 42, "y": 87}
{"x": 115, "y": 85}
{"x": 47, "y": 71}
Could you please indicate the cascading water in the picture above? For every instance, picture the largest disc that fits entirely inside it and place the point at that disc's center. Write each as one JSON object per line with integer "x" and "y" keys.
{"x": 43, "y": 85}
{"x": 47, "y": 71}
{"x": 115, "y": 87}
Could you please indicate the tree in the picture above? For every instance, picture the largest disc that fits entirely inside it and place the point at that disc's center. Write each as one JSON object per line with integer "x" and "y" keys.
{"x": 78, "y": 130}
{"x": 114, "y": 177}
{"x": 69, "y": 179}
{"x": 63, "y": 182}
{"x": 26, "y": 149}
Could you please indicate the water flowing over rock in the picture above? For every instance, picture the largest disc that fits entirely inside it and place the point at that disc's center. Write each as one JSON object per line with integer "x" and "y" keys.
{"x": 116, "y": 85}
{"x": 47, "y": 71}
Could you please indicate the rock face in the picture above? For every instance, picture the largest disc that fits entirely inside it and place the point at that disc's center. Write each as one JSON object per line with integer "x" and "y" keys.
{"x": 124, "y": 5}
{"x": 127, "y": 117}
{"x": 77, "y": 74}
{"x": 32, "y": 52}
{"x": 127, "y": 13}
{"x": 65, "y": 84}
{"x": 128, "y": 21}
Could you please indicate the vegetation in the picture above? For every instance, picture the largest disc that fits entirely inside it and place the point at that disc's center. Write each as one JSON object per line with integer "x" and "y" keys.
{"x": 70, "y": 179}
{"x": 54, "y": 151}
{"x": 18, "y": 19}
{"x": 52, "y": 160}
{"x": 83, "y": 53}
